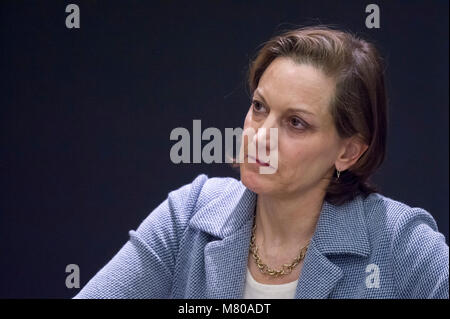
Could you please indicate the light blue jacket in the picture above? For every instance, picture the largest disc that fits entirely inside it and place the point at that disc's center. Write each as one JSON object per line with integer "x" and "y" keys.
{"x": 195, "y": 244}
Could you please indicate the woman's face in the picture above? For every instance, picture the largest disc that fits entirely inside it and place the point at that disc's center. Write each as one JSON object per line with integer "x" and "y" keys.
{"x": 295, "y": 99}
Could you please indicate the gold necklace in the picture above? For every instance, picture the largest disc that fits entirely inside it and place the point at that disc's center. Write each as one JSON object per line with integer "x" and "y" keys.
{"x": 285, "y": 269}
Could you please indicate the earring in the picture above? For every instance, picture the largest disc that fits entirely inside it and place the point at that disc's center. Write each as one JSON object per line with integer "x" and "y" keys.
{"x": 338, "y": 173}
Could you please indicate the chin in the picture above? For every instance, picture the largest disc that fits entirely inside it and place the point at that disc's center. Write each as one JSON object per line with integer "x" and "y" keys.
{"x": 256, "y": 182}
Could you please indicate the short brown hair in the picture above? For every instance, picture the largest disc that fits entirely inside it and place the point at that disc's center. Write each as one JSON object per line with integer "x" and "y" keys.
{"x": 359, "y": 105}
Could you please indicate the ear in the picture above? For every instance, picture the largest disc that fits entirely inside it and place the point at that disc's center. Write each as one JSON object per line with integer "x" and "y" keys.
{"x": 352, "y": 149}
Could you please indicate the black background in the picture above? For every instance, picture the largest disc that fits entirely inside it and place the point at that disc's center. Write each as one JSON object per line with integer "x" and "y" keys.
{"x": 86, "y": 115}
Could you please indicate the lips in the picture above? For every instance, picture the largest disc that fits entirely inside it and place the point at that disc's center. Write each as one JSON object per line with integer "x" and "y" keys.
{"x": 261, "y": 163}
{"x": 258, "y": 161}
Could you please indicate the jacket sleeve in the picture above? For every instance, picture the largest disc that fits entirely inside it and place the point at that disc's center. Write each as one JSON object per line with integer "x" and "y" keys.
{"x": 143, "y": 267}
{"x": 420, "y": 257}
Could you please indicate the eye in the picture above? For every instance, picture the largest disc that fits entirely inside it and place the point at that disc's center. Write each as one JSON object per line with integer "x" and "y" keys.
{"x": 257, "y": 106}
{"x": 297, "y": 123}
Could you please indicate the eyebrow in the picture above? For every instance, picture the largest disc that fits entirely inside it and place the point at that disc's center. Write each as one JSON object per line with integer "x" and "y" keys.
{"x": 289, "y": 109}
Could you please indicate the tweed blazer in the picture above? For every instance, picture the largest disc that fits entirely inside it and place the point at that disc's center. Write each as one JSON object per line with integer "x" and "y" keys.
{"x": 195, "y": 244}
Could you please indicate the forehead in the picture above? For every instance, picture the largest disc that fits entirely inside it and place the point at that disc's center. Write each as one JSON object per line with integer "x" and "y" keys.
{"x": 286, "y": 83}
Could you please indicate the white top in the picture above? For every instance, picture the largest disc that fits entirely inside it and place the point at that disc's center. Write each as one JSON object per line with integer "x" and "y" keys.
{"x": 256, "y": 290}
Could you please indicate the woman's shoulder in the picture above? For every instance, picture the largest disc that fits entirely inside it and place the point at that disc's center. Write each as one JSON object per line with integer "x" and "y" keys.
{"x": 382, "y": 206}
{"x": 394, "y": 216}
{"x": 203, "y": 190}
{"x": 416, "y": 250}
{"x": 208, "y": 196}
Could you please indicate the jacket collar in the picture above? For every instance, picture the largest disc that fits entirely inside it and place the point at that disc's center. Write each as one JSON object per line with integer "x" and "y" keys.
{"x": 227, "y": 213}
{"x": 340, "y": 229}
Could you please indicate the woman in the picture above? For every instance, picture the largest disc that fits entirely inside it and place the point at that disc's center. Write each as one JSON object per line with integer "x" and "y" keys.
{"x": 313, "y": 228}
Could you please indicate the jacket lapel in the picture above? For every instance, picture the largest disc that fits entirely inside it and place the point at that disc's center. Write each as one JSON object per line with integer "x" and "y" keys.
{"x": 340, "y": 230}
{"x": 226, "y": 264}
{"x": 318, "y": 276}
{"x": 229, "y": 218}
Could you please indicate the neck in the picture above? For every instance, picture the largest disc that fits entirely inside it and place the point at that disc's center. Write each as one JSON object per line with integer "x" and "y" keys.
{"x": 288, "y": 221}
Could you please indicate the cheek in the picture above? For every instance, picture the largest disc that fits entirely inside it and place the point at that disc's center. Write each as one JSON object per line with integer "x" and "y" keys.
{"x": 303, "y": 154}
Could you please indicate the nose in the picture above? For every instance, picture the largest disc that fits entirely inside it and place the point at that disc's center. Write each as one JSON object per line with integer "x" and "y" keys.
{"x": 266, "y": 136}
